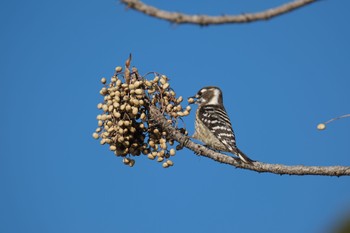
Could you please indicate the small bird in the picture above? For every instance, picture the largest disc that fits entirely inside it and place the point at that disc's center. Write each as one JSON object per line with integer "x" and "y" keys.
{"x": 213, "y": 126}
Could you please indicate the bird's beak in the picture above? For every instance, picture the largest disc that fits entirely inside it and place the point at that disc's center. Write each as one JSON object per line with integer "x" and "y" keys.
{"x": 194, "y": 99}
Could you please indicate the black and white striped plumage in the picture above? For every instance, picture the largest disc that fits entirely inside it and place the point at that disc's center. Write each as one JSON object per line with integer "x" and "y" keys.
{"x": 213, "y": 126}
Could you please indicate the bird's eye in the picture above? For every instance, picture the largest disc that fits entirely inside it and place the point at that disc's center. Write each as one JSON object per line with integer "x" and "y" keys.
{"x": 202, "y": 91}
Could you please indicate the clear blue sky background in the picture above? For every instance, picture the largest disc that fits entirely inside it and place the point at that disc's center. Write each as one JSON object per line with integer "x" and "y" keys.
{"x": 280, "y": 79}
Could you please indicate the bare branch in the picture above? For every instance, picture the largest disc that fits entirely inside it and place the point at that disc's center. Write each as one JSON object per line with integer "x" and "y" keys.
{"x": 322, "y": 126}
{"x": 257, "y": 166}
{"x": 180, "y": 18}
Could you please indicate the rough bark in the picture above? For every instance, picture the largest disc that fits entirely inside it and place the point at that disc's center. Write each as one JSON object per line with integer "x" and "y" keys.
{"x": 180, "y": 18}
{"x": 257, "y": 166}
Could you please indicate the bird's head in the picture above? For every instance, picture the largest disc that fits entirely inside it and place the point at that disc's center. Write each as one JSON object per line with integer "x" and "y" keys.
{"x": 208, "y": 96}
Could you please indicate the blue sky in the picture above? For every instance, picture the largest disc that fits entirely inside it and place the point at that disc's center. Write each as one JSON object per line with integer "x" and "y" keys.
{"x": 280, "y": 78}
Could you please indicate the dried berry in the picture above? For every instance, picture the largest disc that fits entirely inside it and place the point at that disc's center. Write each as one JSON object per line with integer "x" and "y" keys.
{"x": 125, "y": 124}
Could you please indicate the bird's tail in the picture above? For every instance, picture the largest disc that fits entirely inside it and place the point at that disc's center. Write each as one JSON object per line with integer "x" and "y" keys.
{"x": 244, "y": 157}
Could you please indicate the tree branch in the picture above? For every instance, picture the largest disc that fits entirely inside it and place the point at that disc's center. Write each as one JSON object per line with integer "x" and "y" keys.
{"x": 180, "y": 18}
{"x": 257, "y": 166}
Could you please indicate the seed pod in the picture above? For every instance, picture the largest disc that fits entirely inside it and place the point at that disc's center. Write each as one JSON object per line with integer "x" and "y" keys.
{"x": 126, "y": 98}
{"x": 137, "y": 84}
{"x": 165, "y": 86}
{"x": 99, "y": 106}
{"x": 163, "y": 146}
{"x": 112, "y": 148}
{"x": 180, "y": 114}
{"x": 116, "y": 104}
{"x": 116, "y": 114}
{"x": 119, "y": 82}
{"x": 321, "y": 126}
{"x": 95, "y": 135}
{"x": 135, "y": 110}
{"x": 120, "y": 139}
{"x": 148, "y": 83}
{"x": 163, "y": 80}
{"x": 106, "y": 127}
{"x": 172, "y": 152}
{"x": 138, "y": 91}
{"x": 118, "y": 69}
{"x": 105, "y": 107}
{"x": 170, "y": 163}
{"x": 113, "y": 79}
{"x": 117, "y": 100}
{"x": 165, "y": 165}
{"x": 126, "y": 161}
{"x": 150, "y": 156}
{"x": 156, "y": 131}
{"x": 188, "y": 108}
{"x": 103, "y": 80}
{"x": 110, "y": 108}
{"x": 156, "y": 146}
{"x": 126, "y": 143}
{"x": 132, "y": 162}
{"x": 145, "y": 151}
{"x": 133, "y": 101}
{"x": 139, "y": 96}
{"x": 143, "y": 116}
{"x": 185, "y": 113}
{"x": 160, "y": 159}
{"x": 169, "y": 107}
{"x": 127, "y": 123}
{"x": 164, "y": 77}
{"x": 156, "y": 79}
{"x": 190, "y": 100}
{"x": 103, "y": 117}
{"x": 161, "y": 153}
{"x": 99, "y": 123}
{"x": 162, "y": 140}
{"x": 108, "y": 140}
{"x": 103, "y": 91}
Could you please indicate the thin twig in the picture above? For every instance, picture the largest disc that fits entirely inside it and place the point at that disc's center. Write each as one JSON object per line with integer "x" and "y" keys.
{"x": 322, "y": 126}
{"x": 337, "y": 118}
{"x": 257, "y": 166}
{"x": 180, "y": 18}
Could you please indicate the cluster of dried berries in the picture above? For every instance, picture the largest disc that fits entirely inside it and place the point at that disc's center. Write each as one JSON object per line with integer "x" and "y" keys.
{"x": 125, "y": 124}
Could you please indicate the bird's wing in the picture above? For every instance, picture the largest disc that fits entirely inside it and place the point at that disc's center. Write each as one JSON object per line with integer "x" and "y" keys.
{"x": 218, "y": 122}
